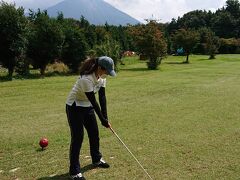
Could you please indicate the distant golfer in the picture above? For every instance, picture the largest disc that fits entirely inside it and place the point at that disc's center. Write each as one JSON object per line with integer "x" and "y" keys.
{"x": 80, "y": 106}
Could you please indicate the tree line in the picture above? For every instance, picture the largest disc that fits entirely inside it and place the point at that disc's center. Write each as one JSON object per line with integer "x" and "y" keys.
{"x": 224, "y": 23}
{"x": 38, "y": 39}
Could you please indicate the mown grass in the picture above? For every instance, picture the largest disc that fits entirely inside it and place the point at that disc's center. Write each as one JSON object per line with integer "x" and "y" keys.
{"x": 181, "y": 121}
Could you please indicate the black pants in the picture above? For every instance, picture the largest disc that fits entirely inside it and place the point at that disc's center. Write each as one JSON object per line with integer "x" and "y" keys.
{"x": 77, "y": 118}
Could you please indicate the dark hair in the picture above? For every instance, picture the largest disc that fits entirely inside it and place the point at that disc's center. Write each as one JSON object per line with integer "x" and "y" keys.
{"x": 89, "y": 66}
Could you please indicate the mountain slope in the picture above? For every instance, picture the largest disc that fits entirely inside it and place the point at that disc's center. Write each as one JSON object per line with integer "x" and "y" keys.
{"x": 96, "y": 12}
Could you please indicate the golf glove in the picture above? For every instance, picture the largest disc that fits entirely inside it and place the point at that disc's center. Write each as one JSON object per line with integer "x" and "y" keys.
{"x": 105, "y": 123}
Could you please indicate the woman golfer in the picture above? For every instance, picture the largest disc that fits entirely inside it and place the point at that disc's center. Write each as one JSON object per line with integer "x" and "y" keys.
{"x": 80, "y": 107}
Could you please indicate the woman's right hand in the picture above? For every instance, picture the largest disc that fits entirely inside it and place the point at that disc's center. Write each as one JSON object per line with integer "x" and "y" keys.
{"x": 105, "y": 123}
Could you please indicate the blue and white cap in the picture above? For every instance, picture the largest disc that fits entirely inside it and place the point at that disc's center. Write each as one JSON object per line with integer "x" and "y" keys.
{"x": 108, "y": 64}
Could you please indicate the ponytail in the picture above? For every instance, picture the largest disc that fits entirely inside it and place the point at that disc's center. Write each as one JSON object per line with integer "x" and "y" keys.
{"x": 89, "y": 66}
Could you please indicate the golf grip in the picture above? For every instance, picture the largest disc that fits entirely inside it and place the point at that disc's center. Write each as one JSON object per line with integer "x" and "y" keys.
{"x": 130, "y": 152}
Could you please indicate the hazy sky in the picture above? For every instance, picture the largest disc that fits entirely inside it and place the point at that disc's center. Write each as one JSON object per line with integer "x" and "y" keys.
{"x": 163, "y": 10}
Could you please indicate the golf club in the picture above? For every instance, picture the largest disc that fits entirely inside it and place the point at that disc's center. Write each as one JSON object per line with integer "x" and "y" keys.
{"x": 130, "y": 152}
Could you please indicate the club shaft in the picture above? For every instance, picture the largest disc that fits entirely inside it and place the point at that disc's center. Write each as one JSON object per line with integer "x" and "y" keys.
{"x": 130, "y": 152}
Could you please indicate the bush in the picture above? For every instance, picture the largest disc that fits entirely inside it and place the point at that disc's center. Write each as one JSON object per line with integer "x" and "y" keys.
{"x": 153, "y": 64}
{"x": 58, "y": 68}
{"x": 238, "y": 50}
{"x": 22, "y": 66}
{"x": 229, "y": 46}
{"x": 3, "y": 71}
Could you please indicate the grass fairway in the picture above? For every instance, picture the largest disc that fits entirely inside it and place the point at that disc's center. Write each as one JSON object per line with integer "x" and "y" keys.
{"x": 181, "y": 121}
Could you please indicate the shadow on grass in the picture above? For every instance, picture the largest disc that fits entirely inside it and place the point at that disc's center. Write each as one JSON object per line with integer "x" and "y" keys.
{"x": 30, "y": 76}
{"x": 135, "y": 69}
{"x": 57, "y": 177}
{"x": 66, "y": 175}
{"x": 33, "y": 76}
{"x": 41, "y": 149}
{"x": 176, "y": 62}
{"x": 5, "y": 79}
{"x": 207, "y": 59}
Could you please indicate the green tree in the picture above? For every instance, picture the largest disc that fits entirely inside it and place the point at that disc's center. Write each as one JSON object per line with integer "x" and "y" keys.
{"x": 224, "y": 22}
{"x": 172, "y": 26}
{"x": 123, "y": 38}
{"x": 89, "y": 32}
{"x": 212, "y": 43}
{"x": 224, "y": 25}
{"x": 109, "y": 47}
{"x": 13, "y": 35}
{"x": 74, "y": 47}
{"x": 120, "y": 34}
{"x": 208, "y": 43}
{"x": 233, "y": 7}
{"x": 195, "y": 19}
{"x": 90, "y": 36}
{"x": 150, "y": 41}
{"x": 100, "y": 34}
{"x": 45, "y": 40}
{"x": 185, "y": 39}
{"x": 192, "y": 20}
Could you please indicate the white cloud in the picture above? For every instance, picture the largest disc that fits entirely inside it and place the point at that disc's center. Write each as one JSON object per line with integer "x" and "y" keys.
{"x": 157, "y": 9}
{"x": 163, "y": 10}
